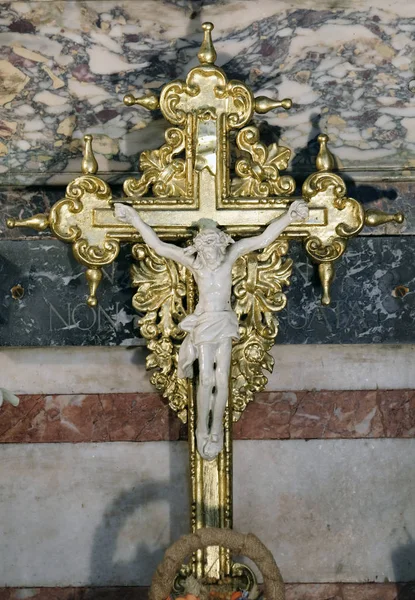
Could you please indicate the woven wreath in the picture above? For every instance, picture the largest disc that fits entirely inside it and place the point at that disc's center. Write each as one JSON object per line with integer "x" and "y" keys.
{"x": 240, "y": 544}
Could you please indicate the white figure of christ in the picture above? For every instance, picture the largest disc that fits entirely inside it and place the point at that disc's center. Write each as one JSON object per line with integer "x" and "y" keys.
{"x": 213, "y": 325}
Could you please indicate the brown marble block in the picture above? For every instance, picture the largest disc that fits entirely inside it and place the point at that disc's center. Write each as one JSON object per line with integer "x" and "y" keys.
{"x": 88, "y": 418}
{"x": 273, "y": 415}
{"x": 329, "y": 414}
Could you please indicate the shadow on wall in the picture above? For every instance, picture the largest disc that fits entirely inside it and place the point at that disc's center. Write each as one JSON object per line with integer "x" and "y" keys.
{"x": 127, "y": 520}
{"x": 303, "y": 164}
{"x": 403, "y": 560}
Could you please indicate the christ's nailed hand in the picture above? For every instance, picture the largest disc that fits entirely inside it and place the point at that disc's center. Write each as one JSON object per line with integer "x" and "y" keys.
{"x": 298, "y": 211}
{"x": 124, "y": 213}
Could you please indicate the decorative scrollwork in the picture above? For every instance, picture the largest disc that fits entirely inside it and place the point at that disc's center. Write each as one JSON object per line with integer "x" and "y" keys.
{"x": 171, "y": 96}
{"x": 161, "y": 296}
{"x": 96, "y": 256}
{"x": 258, "y": 281}
{"x": 325, "y": 251}
{"x": 210, "y": 87}
{"x": 62, "y": 219}
{"x": 88, "y": 184}
{"x": 242, "y": 100}
{"x": 71, "y": 221}
{"x": 260, "y": 174}
{"x": 344, "y": 217}
{"x": 166, "y": 174}
{"x": 356, "y": 219}
{"x": 323, "y": 181}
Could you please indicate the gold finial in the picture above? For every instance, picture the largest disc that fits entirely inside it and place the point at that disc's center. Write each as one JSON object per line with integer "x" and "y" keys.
{"x": 326, "y": 273}
{"x": 325, "y": 159}
{"x": 93, "y": 277}
{"x": 374, "y": 217}
{"x": 38, "y": 222}
{"x": 263, "y": 104}
{"x": 149, "y": 102}
{"x": 207, "y": 53}
{"x": 89, "y": 163}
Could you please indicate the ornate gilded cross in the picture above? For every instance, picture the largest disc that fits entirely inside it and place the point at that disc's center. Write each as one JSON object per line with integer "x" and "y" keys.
{"x": 187, "y": 178}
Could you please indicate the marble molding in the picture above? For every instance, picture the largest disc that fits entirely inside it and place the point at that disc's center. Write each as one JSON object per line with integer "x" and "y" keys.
{"x": 329, "y": 414}
{"x": 299, "y": 591}
{"x": 107, "y": 370}
{"x": 372, "y": 297}
{"x": 146, "y": 417}
{"x": 347, "y": 67}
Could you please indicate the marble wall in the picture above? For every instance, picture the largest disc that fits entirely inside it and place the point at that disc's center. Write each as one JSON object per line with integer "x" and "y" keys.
{"x": 67, "y": 65}
{"x": 348, "y": 66}
{"x": 102, "y": 514}
{"x": 93, "y": 469}
{"x": 372, "y": 297}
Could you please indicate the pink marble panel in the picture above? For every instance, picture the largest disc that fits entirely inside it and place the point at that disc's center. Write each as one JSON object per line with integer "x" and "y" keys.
{"x": 274, "y": 415}
{"x": 88, "y": 418}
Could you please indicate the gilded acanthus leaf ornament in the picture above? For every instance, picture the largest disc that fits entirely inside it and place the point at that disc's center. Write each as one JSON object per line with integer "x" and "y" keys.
{"x": 161, "y": 170}
{"x": 161, "y": 296}
{"x": 259, "y": 173}
{"x": 258, "y": 280}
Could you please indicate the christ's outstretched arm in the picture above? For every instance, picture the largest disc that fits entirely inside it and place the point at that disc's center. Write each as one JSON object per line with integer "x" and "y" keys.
{"x": 127, "y": 214}
{"x": 297, "y": 211}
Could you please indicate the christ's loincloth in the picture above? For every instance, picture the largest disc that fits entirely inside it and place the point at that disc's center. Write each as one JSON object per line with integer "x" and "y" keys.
{"x": 206, "y": 328}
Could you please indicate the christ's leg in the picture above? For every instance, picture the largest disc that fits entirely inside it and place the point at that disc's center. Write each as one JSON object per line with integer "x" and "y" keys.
{"x": 204, "y": 395}
{"x": 223, "y": 363}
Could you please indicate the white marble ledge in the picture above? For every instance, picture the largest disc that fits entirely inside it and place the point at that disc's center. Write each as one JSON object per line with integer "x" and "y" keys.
{"x": 89, "y": 370}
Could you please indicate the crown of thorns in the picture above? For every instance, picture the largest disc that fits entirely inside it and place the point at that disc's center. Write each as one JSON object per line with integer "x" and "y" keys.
{"x": 223, "y": 239}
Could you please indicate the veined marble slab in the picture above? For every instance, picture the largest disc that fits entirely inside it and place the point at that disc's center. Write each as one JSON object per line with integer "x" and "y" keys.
{"x": 347, "y": 66}
{"x": 338, "y": 510}
{"x": 372, "y": 297}
{"x": 73, "y": 514}
{"x": 101, "y": 514}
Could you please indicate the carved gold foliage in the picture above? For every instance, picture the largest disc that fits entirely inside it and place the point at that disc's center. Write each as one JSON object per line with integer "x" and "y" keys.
{"x": 164, "y": 173}
{"x": 258, "y": 281}
{"x": 161, "y": 297}
{"x": 259, "y": 174}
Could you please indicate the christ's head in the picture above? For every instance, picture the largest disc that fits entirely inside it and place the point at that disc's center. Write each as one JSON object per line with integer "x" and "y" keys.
{"x": 210, "y": 247}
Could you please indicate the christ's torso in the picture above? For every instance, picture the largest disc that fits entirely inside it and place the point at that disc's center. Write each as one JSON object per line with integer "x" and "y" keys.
{"x": 214, "y": 288}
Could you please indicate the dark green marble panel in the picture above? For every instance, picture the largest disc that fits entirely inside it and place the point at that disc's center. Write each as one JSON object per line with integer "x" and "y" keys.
{"x": 370, "y": 301}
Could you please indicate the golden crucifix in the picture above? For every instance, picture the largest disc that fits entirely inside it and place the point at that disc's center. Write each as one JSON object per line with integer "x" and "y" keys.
{"x": 187, "y": 179}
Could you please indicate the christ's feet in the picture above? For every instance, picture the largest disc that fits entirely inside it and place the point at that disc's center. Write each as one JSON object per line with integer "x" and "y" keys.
{"x": 202, "y": 438}
{"x": 213, "y": 446}
{"x": 209, "y": 444}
